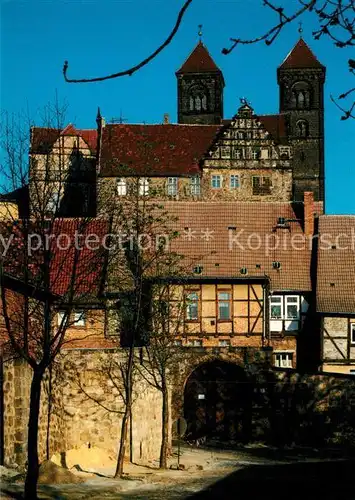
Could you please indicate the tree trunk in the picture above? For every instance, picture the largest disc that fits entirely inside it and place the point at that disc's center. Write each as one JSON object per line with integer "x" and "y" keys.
{"x": 123, "y": 440}
{"x": 32, "y": 440}
{"x": 49, "y": 413}
{"x": 126, "y": 415}
{"x": 165, "y": 428}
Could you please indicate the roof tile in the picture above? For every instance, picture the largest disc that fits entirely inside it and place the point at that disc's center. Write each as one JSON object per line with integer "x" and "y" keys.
{"x": 199, "y": 61}
{"x": 301, "y": 56}
{"x": 336, "y": 264}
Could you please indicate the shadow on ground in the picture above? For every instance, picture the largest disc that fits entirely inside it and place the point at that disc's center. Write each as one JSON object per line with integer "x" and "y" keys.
{"x": 311, "y": 480}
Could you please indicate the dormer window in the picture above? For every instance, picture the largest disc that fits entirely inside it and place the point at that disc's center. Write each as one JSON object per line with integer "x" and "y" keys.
{"x": 121, "y": 187}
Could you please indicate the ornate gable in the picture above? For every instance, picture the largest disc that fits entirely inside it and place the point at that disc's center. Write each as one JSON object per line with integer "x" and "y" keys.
{"x": 246, "y": 140}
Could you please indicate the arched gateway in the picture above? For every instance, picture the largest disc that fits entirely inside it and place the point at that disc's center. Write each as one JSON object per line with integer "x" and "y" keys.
{"x": 217, "y": 401}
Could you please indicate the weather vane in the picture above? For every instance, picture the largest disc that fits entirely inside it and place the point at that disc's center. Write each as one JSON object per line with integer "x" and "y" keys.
{"x": 200, "y": 31}
{"x": 300, "y": 29}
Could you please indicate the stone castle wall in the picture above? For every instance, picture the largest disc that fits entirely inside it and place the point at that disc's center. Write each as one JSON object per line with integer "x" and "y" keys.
{"x": 82, "y": 404}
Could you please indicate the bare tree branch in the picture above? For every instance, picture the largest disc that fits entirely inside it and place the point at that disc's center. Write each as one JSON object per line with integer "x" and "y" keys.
{"x": 130, "y": 71}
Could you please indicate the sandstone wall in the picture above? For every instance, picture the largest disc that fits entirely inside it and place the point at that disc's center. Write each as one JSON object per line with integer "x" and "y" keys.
{"x": 81, "y": 402}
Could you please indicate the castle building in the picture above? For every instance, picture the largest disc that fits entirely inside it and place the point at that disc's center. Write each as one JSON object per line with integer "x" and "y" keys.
{"x": 247, "y": 194}
{"x": 260, "y": 174}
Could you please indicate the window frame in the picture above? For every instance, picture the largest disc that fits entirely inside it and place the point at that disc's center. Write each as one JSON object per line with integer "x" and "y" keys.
{"x": 191, "y": 343}
{"x": 143, "y": 186}
{"x": 285, "y": 320}
{"x": 237, "y": 153}
{"x": 60, "y": 315}
{"x": 263, "y": 190}
{"x": 289, "y": 362}
{"x": 172, "y": 182}
{"x": 214, "y": 177}
{"x": 195, "y": 302}
{"x": 225, "y": 152}
{"x": 195, "y": 185}
{"x": 221, "y": 341}
{"x": 229, "y": 301}
{"x": 235, "y": 177}
{"x": 287, "y": 303}
{"x": 121, "y": 186}
{"x": 281, "y": 304}
{"x": 352, "y": 334}
{"x": 81, "y": 322}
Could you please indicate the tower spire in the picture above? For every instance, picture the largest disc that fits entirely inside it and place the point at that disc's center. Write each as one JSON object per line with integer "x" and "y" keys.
{"x": 300, "y": 29}
{"x": 200, "y": 32}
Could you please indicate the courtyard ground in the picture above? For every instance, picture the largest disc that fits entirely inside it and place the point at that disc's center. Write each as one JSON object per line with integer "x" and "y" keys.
{"x": 249, "y": 473}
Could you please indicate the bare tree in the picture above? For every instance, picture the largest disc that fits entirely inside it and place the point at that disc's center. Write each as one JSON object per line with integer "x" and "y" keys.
{"x": 145, "y": 231}
{"x": 43, "y": 269}
{"x": 163, "y": 353}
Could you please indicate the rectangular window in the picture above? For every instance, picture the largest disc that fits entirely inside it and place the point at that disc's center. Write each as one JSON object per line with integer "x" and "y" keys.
{"x": 352, "y": 333}
{"x": 283, "y": 359}
{"x": 192, "y": 299}
{"x": 216, "y": 181}
{"x": 195, "y": 186}
{"x": 172, "y": 186}
{"x": 276, "y": 309}
{"x": 238, "y": 153}
{"x": 225, "y": 151}
{"x": 194, "y": 343}
{"x": 121, "y": 187}
{"x": 60, "y": 317}
{"x": 261, "y": 185}
{"x": 234, "y": 181}
{"x": 285, "y": 313}
{"x": 143, "y": 186}
{"x": 79, "y": 318}
{"x": 292, "y": 306}
{"x": 255, "y": 154}
{"x": 224, "y": 306}
{"x": 177, "y": 342}
{"x": 224, "y": 343}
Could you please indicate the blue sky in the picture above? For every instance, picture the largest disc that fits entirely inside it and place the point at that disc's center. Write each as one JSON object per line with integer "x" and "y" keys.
{"x": 104, "y": 36}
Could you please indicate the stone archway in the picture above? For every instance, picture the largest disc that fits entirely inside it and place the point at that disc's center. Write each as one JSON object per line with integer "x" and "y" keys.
{"x": 217, "y": 402}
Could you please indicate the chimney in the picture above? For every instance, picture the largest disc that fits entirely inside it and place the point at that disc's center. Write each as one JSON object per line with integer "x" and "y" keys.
{"x": 166, "y": 118}
{"x": 308, "y": 203}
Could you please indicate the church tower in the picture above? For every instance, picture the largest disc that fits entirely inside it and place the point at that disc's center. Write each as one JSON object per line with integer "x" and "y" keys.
{"x": 200, "y": 89}
{"x": 301, "y": 79}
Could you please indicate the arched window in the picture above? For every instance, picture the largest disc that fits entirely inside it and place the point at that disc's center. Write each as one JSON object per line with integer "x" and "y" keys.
{"x": 198, "y": 98}
{"x": 301, "y": 95}
{"x": 302, "y": 128}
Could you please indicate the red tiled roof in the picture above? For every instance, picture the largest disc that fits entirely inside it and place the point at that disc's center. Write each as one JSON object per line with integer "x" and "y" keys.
{"x": 336, "y": 264}
{"x": 254, "y": 227}
{"x": 199, "y": 61}
{"x": 275, "y": 125}
{"x": 74, "y": 268}
{"x": 154, "y": 149}
{"x": 301, "y": 56}
{"x": 43, "y": 138}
